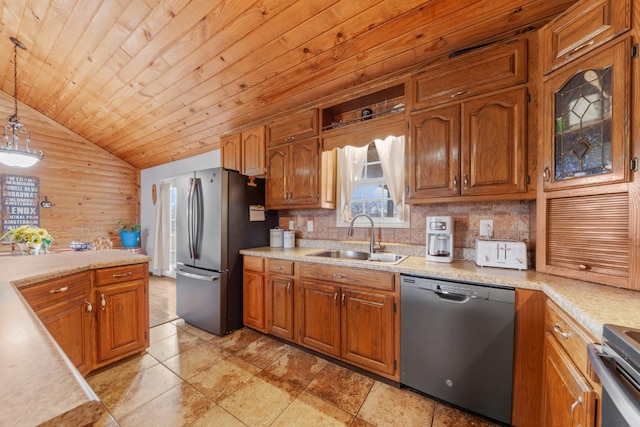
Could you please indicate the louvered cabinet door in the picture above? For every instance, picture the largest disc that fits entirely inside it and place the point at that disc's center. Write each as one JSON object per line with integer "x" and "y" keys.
{"x": 588, "y": 238}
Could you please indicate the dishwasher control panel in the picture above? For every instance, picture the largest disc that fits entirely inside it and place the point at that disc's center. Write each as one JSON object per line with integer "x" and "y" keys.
{"x": 501, "y": 253}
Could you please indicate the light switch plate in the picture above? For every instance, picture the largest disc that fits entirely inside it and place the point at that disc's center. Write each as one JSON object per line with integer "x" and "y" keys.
{"x": 486, "y": 228}
{"x": 309, "y": 225}
{"x": 291, "y": 225}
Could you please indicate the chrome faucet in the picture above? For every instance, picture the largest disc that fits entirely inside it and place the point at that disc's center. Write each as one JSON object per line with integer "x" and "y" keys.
{"x": 372, "y": 244}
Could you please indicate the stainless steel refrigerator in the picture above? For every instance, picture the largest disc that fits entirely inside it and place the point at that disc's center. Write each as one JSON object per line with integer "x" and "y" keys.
{"x": 213, "y": 224}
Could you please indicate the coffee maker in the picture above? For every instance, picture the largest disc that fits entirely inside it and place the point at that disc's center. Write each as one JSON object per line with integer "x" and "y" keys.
{"x": 439, "y": 239}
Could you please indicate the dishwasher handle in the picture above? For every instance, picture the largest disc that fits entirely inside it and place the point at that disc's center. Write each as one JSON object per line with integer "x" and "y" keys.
{"x": 451, "y": 297}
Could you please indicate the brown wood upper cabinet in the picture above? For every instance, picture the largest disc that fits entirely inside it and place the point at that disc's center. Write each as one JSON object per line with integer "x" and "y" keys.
{"x": 472, "y": 148}
{"x": 253, "y": 146}
{"x": 586, "y": 119}
{"x": 298, "y": 126}
{"x": 485, "y": 69}
{"x": 582, "y": 28}
{"x": 231, "y": 152}
{"x": 293, "y": 174}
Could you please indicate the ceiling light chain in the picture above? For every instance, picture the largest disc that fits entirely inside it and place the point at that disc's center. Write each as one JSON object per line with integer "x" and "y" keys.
{"x": 11, "y": 154}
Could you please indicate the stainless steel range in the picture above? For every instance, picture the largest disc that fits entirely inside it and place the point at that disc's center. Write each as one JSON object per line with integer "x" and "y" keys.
{"x": 617, "y": 364}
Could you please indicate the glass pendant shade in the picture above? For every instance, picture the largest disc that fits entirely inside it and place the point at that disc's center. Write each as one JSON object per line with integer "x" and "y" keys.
{"x": 10, "y": 152}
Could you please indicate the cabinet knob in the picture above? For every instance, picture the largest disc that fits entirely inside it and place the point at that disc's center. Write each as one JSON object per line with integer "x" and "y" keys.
{"x": 103, "y": 302}
{"x": 584, "y": 267}
{"x": 58, "y": 290}
{"x": 546, "y": 174}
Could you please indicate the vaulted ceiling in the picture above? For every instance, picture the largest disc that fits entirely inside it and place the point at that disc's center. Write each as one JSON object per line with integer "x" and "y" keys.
{"x": 153, "y": 81}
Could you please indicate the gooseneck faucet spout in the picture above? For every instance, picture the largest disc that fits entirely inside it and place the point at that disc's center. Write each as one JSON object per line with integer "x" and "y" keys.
{"x": 372, "y": 244}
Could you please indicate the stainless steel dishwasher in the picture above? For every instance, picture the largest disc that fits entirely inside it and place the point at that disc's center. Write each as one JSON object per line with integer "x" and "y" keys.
{"x": 456, "y": 343}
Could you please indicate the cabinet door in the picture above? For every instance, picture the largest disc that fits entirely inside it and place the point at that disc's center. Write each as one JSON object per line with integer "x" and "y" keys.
{"x": 367, "y": 330}
{"x": 253, "y": 152}
{"x": 122, "y": 319}
{"x": 586, "y": 120}
{"x": 304, "y": 168}
{"x": 280, "y": 306}
{"x": 567, "y": 400}
{"x": 253, "y": 289}
{"x": 230, "y": 152}
{"x": 582, "y": 28}
{"x": 294, "y": 127}
{"x": 494, "y": 144}
{"x": 433, "y": 162}
{"x": 70, "y": 323}
{"x": 277, "y": 194}
{"x": 320, "y": 317}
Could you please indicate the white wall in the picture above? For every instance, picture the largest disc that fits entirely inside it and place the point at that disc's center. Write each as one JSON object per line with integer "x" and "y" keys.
{"x": 158, "y": 174}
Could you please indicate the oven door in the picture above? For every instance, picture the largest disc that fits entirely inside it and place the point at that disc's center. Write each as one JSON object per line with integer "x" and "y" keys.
{"x": 620, "y": 403}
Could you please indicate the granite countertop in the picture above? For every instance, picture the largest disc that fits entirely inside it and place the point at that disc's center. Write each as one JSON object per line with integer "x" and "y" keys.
{"x": 40, "y": 386}
{"x": 592, "y": 305}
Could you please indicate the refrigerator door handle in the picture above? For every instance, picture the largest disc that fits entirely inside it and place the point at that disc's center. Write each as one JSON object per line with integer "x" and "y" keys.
{"x": 198, "y": 218}
{"x": 196, "y": 276}
{"x": 190, "y": 213}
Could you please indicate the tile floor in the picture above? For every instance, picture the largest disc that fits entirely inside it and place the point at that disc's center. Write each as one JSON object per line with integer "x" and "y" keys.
{"x": 190, "y": 377}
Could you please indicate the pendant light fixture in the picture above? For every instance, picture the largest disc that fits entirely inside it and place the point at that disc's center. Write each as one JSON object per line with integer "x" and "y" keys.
{"x": 10, "y": 153}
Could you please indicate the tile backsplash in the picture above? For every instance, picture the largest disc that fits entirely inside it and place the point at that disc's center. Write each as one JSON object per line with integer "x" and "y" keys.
{"x": 512, "y": 220}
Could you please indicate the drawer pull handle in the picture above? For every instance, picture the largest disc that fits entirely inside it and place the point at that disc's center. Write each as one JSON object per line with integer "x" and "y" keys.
{"x": 338, "y": 276}
{"x": 103, "y": 302}
{"x": 58, "y": 290}
{"x": 455, "y": 181}
{"x": 557, "y": 329}
{"x": 279, "y": 267}
{"x": 289, "y": 138}
{"x": 461, "y": 92}
{"x": 128, "y": 273}
{"x": 578, "y": 48}
{"x": 89, "y": 306}
{"x": 584, "y": 267}
{"x": 573, "y": 408}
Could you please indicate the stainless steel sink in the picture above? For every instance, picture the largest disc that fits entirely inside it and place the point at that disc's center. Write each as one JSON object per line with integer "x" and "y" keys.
{"x": 386, "y": 258}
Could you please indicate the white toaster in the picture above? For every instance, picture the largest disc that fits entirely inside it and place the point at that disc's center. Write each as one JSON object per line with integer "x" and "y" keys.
{"x": 501, "y": 253}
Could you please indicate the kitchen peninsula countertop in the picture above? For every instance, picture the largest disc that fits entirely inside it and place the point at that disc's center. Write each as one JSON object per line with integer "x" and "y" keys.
{"x": 40, "y": 386}
{"x": 591, "y": 304}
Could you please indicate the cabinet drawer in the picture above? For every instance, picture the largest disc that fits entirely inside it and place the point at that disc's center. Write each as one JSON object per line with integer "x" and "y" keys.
{"x": 293, "y": 128}
{"x": 571, "y": 336}
{"x": 123, "y": 273}
{"x": 484, "y": 70}
{"x": 254, "y": 263}
{"x": 360, "y": 277}
{"x": 280, "y": 266}
{"x": 49, "y": 293}
{"x": 582, "y": 28}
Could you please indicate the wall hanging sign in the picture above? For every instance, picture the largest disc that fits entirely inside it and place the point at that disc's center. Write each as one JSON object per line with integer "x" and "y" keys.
{"x": 20, "y": 197}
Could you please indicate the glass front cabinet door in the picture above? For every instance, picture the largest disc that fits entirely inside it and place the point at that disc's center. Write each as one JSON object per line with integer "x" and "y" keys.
{"x": 586, "y": 119}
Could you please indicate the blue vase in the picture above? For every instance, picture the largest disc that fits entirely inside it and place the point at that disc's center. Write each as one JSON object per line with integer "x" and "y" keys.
{"x": 130, "y": 239}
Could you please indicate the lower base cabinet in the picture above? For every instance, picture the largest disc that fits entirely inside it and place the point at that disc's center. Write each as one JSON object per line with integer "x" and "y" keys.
{"x": 347, "y": 313}
{"x": 98, "y": 316}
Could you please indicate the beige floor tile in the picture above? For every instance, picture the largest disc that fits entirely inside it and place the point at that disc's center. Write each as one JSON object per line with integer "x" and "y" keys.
{"x": 223, "y": 378}
{"x": 342, "y": 387}
{"x": 262, "y": 352}
{"x": 195, "y": 360}
{"x": 446, "y": 416}
{"x": 178, "y": 406}
{"x": 174, "y": 344}
{"x": 200, "y": 333}
{"x": 389, "y": 406}
{"x": 106, "y": 420}
{"x": 123, "y": 396}
{"x": 217, "y": 416}
{"x": 261, "y": 400}
{"x": 161, "y": 332}
{"x": 237, "y": 340}
{"x": 359, "y": 422}
{"x": 102, "y": 381}
{"x": 297, "y": 365}
{"x": 311, "y": 411}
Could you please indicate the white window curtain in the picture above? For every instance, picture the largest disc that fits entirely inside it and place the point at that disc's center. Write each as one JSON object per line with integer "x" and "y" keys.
{"x": 350, "y": 162}
{"x": 391, "y": 154}
{"x": 162, "y": 232}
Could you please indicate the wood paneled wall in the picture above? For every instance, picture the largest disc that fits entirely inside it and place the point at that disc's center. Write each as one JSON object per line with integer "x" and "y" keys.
{"x": 88, "y": 186}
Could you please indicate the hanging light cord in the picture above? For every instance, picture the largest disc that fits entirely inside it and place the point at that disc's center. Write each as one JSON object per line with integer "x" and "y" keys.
{"x": 14, "y": 118}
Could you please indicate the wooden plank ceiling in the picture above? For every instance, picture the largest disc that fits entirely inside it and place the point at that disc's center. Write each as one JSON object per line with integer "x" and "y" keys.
{"x": 153, "y": 81}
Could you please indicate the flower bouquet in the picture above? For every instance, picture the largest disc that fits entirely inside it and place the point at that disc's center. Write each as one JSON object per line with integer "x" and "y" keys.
{"x": 32, "y": 240}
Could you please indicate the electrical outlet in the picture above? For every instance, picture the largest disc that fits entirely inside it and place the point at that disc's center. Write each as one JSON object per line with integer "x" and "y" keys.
{"x": 309, "y": 225}
{"x": 486, "y": 228}
{"x": 291, "y": 225}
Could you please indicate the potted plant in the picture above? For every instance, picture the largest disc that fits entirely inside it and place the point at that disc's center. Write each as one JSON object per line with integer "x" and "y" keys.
{"x": 129, "y": 235}
{"x": 31, "y": 239}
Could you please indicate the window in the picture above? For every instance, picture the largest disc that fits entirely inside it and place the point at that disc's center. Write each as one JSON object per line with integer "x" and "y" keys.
{"x": 371, "y": 178}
